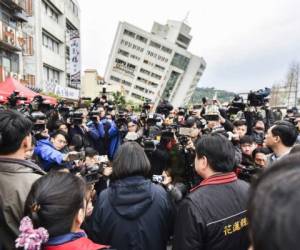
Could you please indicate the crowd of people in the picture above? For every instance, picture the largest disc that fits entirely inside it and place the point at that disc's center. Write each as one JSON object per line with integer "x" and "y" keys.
{"x": 106, "y": 177}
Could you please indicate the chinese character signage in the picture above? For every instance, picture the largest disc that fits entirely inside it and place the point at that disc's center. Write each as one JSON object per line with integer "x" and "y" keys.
{"x": 75, "y": 65}
{"x": 66, "y": 92}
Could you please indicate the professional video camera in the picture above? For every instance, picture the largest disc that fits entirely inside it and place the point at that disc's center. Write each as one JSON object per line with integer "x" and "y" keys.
{"x": 14, "y": 98}
{"x": 39, "y": 104}
{"x": 212, "y": 113}
{"x": 92, "y": 173}
{"x": 236, "y": 105}
{"x": 259, "y": 97}
{"x": 164, "y": 108}
{"x": 152, "y": 119}
{"x": 76, "y": 117}
{"x": 93, "y": 115}
{"x": 149, "y": 144}
{"x": 248, "y": 173}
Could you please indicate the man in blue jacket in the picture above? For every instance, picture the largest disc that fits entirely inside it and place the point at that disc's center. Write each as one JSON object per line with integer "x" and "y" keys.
{"x": 109, "y": 132}
{"x": 48, "y": 151}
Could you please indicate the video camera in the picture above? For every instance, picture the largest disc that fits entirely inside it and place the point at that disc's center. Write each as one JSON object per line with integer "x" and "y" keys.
{"x": 92, "y": 173}
{"x": 76, "y": 117}
{"x": 236, "y": 105}
{"x": 259, "y": 97}
{"x": 14, "y": 98}
{"x": 164, "y": 108}
{"x": 248, "y": 173}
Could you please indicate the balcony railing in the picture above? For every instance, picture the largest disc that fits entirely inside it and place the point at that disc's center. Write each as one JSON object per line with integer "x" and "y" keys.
{"x": 16, "y": 4}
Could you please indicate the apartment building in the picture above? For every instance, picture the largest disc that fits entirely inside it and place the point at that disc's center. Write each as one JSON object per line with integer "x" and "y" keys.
{"x": 155, "y": 65}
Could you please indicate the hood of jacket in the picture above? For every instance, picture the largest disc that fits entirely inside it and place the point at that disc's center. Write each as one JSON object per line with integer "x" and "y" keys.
{"x": 44, "y": 142}
{"x": 131, "y": 197}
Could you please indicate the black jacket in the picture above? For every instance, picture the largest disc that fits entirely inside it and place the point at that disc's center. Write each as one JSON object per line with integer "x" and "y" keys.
{"x": 132, "y": 214}
{"x": 213, "y": 216}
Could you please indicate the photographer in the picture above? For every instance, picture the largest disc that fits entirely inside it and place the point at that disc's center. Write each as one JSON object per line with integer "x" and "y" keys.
{"x": 39, "y": 129}
{"x": 258, "y": 132}
{"x": 92, "y": 128}
{"x": 48, "y": 152}
{"x": 91, "y": 160}
{"x": 16, "y": 174}
{"x": 109, "y": 132}
{"x": 80, "y": 129}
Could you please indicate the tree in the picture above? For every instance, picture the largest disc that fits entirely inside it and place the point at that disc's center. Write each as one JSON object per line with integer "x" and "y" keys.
{"x": 119, "y": 99}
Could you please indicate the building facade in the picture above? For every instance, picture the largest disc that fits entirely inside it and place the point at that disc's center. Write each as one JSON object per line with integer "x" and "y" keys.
{"x": 155, "y": 65}
{"x": 14, "y": 42}
{"x": 53, "y": 25}
{"x": 94, "y": 85}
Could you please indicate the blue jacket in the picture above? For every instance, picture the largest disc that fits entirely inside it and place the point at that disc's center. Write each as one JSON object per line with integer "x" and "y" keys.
{"x": 47, "y": 155}
{"x": 113, "y": 136}
{"x": 133, "y": 214}
{"x": 94, "y": 133}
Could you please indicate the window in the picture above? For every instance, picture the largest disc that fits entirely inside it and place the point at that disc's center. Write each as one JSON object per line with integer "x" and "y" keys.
{"x": 131, "y": 66}
{"x": 141, "y": 38}
{"x": 147, "y": 91}
{"x": 170, "y": 84}
{"x": 149, "y": 83}
{"x": 129, "y": 33}
{"x": 183, "y": 39}
{"x": 127, "y": 83}
{"x": 73, "y": 7}
{"x": 161, "y": 68}
{"x": 156, "y": 76}
{"x": 123, "y": 52}
{"x": 146, "y": 72}
{"x": 50, "y": 43}
{"x": 50, "y": 12}
{"x": 143, "y": 80}
{"x": 180, "y": 61}
{"x": 6, "y": 64}
{"x": 135, "y": 57}
{"x": 136, "y": 96}
{"x": 51, "y": 75}
{"x": 116, "y": 79}
{"x": 120, "y": 61}
{"x": 155, "y": 45}
{"x": 139, "y": 88}
{"x": 167, "y": 50}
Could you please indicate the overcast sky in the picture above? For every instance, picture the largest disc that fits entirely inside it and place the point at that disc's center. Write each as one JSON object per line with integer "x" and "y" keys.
{"x": 246, "y": 44}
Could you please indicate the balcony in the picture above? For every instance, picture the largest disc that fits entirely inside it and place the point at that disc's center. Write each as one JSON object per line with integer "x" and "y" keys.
{"x": 16, "y": 4}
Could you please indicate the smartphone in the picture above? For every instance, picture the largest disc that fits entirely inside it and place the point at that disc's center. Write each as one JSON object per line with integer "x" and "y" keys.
{"x": 158, "y": 178}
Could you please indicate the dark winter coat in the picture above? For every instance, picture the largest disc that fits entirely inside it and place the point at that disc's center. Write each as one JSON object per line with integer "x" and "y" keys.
{"x": 213, "y": 216}
{"x": 133, "y": 214}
